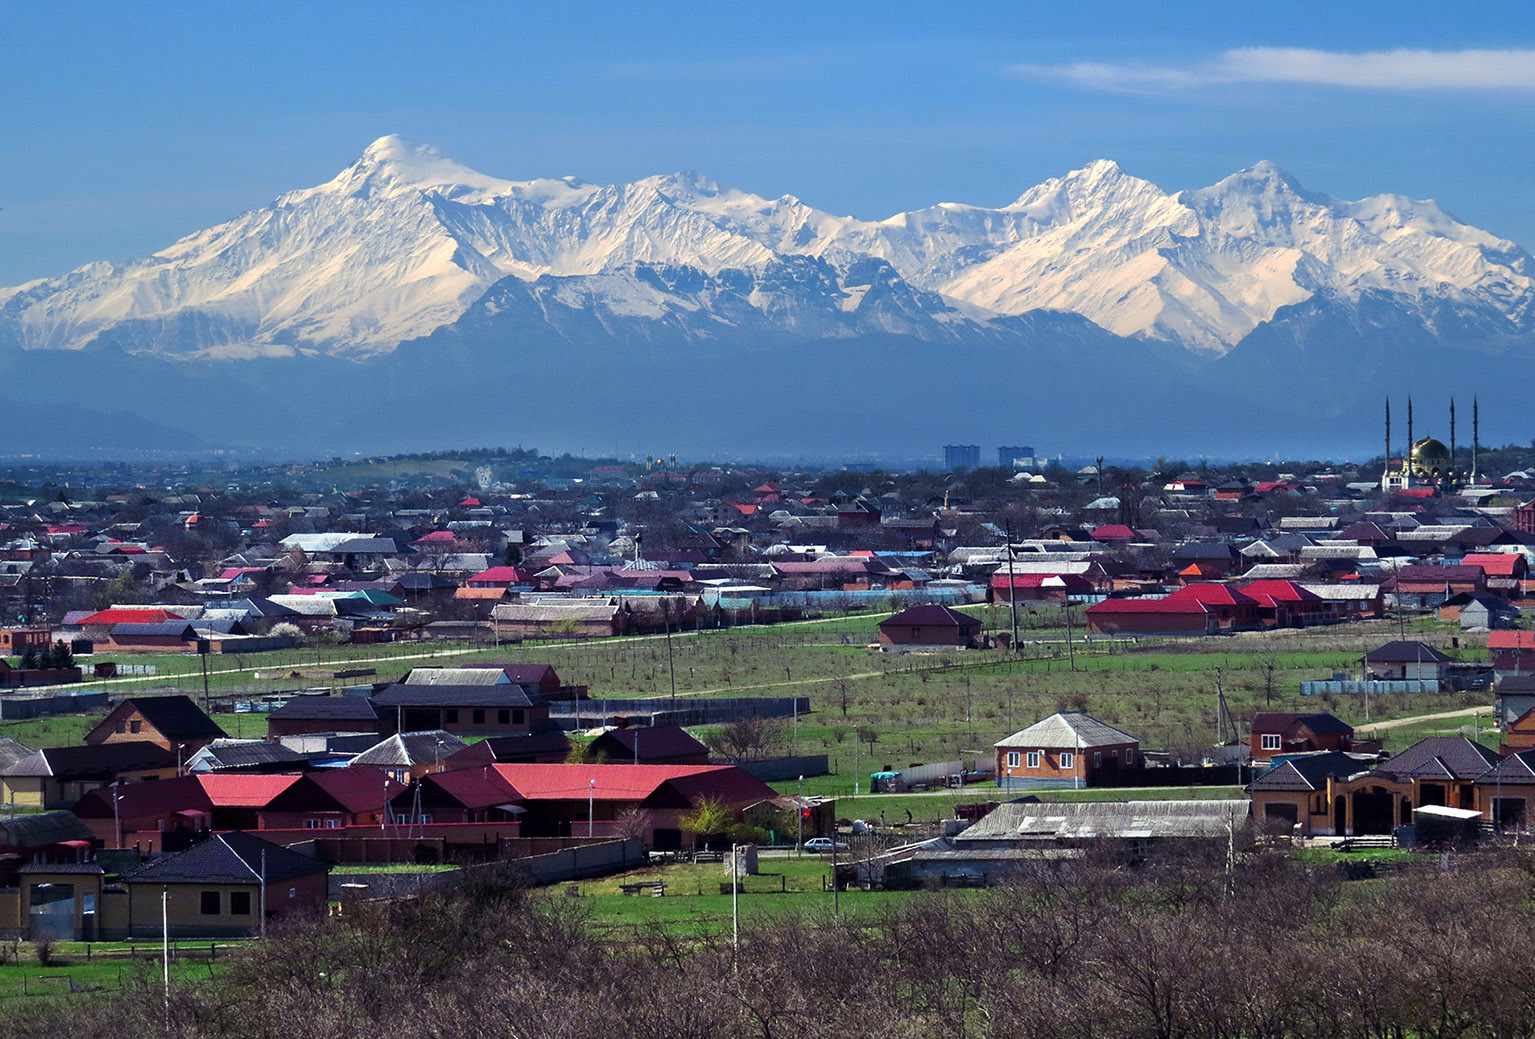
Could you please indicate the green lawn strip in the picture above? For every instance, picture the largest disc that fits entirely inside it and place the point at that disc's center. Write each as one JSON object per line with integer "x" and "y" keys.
{"x": 30, "y": 978}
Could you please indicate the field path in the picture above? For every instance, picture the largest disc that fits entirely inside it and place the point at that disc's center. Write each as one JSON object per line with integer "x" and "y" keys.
{"x": 1397, "y": 723}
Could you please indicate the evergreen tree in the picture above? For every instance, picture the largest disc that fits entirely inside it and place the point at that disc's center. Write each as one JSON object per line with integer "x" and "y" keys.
{"x": 63, "y": 656}
{"x": 29, "y": 658}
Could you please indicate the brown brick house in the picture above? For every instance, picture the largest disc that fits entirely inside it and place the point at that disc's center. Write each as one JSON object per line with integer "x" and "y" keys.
{"x": 1068, "y": 749}
{"x": 931, "y": 625}
{"x": 1274, "y": 733}
{"x": 166, "y": 721}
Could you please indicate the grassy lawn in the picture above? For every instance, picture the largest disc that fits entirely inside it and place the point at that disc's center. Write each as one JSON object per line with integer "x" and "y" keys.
{"x": 24, "y": 980}
{"x": 693, "y": 903}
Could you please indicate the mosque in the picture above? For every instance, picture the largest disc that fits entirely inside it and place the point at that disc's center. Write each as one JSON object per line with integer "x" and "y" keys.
{"x": 1427, "y": 462}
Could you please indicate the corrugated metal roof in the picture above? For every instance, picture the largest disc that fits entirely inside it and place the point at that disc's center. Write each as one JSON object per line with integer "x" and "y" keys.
{"x": 1068, "y": 730}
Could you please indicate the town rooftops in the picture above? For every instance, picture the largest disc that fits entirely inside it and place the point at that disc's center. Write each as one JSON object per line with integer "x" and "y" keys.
{"x": 456, "y": 676}
{"x": 1107, "y": 819}
{"x": 1400, "y": 652}
{"x": 1309, "y": 771}
{"x": 1068, "y": 730}
{"x": 535, "y": 782}
{"x": 931, "y": 616}
{"x": 1449, "y": 757}
{"x": 505, "y": 694}
{"x": 174, "y": 717}
{"x": 663, "y": 741}
{"x": 1321, "y": 723}
{"x": 228, "y": 858}
{"x": 328, "y": 708}
{"x": 412, "y": 748}
{"x": 103, "y": 761}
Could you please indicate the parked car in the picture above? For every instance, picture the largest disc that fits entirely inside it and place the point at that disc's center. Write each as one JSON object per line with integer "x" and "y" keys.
{"x": 824, "y": 844}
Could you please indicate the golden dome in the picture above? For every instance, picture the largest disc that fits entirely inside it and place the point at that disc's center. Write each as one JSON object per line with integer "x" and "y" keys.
{"x": 1429, "y": 451}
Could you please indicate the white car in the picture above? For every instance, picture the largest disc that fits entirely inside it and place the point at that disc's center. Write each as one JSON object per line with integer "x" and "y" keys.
{"x": 824, "y": 844}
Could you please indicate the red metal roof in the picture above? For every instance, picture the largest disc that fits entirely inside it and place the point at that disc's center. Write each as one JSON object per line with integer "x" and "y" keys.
{"x": 242, "y": 790}
{"x": 1511, "y": 640}
{"x": 1212, "y": 594}
{"x": 1165, "y": 605}
{"x": 534, "y": 782}
{"x": 1274, "y": 592}
{"x": 131, "y": 616}
{"x": 1114, "y": 532}
{"x": 500, "y": 575}
{"x": 1493, "y": 564}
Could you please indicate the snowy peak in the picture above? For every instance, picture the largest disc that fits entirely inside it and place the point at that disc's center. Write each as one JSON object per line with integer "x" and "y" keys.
{"x": 404, "y": 241}
{"x": 392, "y": 166}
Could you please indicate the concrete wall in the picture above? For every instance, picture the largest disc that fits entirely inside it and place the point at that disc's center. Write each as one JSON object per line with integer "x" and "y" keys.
{"x": 777, "y": 770}
{"x": 12, "y": 707}
{"x": 660, "y": 711}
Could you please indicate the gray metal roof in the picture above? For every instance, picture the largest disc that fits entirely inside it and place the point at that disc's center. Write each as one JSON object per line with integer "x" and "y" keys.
{"x": 456, "y": 676}
{"x": 1068, "y": 730}
{"x": 411, "y": 748}
{"x": 1117, "y": 819}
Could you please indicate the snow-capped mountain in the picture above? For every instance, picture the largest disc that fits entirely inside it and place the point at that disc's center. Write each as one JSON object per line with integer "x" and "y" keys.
{"x": 405, "y": 242}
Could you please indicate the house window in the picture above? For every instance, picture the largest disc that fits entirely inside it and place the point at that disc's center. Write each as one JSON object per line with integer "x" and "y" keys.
{"x": 517, "y": 717}
{"x": 450, "y": 717}
{"x": 122, "y": 726}
{"x": 135, "y": 726}
{"x": 503, "y": 717}
{"x": 1129, "y": 757}
{"x": 210, "y": 903}
{"x": 478, "y": 716}
{"x": 239, "y": 903}
{"x": 1013, "y": 758}
{"x": 1068, "y": 759}
{"x": 1270, "y": 741}
{"x": 311, "y": 824}
{"x": 1033, "y": 759}
{"x": 293, "y": 892}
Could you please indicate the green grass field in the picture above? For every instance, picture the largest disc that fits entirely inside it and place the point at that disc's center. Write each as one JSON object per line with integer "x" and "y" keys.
{"x": 873, "y": 710}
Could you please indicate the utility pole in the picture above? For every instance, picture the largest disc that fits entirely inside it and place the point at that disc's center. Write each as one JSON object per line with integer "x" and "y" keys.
{"x": 1071, "y": 649}
{"x": 1012, "y": 590}
{"x": 735, "y": 897}
{"x": 202, "y": 645}
{"x": 165, "y": 940}
{"x": 799, "y": 813}
{"x": 671, "y": 665}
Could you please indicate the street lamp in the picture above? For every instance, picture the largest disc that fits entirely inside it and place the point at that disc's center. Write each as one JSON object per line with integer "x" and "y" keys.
{"x": 591, "y": 797}
{"x": 799, "y": 814}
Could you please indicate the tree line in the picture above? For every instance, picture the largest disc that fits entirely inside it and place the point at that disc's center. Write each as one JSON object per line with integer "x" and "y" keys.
{"x": 1255, "y": 946}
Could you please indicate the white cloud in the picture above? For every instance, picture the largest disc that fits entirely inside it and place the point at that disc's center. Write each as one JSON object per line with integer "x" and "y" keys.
{"x": 1371, "y": 70}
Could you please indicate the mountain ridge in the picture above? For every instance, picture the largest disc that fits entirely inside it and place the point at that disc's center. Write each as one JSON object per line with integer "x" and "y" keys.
{"x": 404, "y": 241}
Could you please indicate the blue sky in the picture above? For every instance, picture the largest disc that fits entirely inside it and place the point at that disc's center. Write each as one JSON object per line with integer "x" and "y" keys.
{"x": 126, "y": 125}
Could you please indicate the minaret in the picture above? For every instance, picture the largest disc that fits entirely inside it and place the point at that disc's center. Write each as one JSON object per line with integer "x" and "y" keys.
{"x": 1407, "y": 454}
{"x": 1385, "y": 473}
{"x": 1450, "y": 476}
{"x": 1476, "y": 437}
